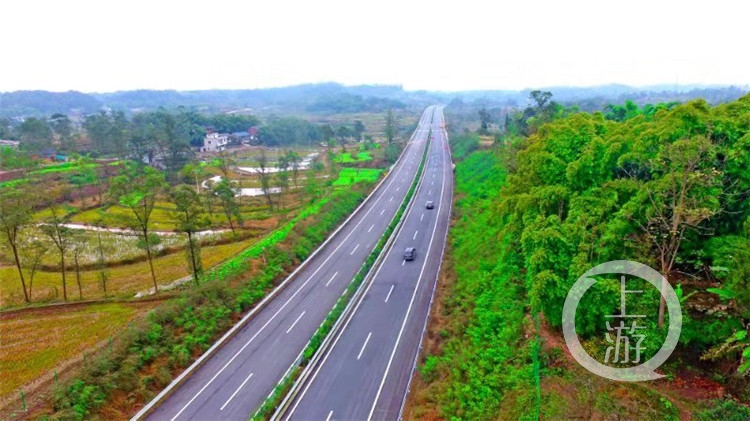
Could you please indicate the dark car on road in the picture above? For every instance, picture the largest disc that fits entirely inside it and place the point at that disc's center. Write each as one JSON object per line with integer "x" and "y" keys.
{"x": 430, "y": 204}
{"x": 409, "y": 253}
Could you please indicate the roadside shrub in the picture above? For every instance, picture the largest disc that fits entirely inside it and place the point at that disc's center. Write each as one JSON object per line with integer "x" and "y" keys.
{"x": 725, "y": 410}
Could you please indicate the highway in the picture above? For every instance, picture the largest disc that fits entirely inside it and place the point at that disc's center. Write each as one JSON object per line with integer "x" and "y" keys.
{"x": 365, "y": 373}
{"x": 235, "y": 379}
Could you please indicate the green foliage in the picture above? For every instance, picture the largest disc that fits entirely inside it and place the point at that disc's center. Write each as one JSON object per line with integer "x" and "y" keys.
{"x": 463, "y": 144}
{"x": 586, "y": 190}
{"x": 484, "y": 355}
{"x": 392, "y": 152}
{"x": 725, "y": 410}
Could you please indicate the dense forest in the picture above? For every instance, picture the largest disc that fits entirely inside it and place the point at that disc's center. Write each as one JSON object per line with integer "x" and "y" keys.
{"x": 667, "y": 186}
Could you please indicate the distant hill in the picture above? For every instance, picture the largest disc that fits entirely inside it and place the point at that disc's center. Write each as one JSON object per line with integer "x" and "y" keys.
{"x": 24, "y": 103}
{"x": 336, "y": 98}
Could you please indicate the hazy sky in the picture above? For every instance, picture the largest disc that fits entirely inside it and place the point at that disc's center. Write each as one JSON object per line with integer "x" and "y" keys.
{"x": 453, "y": 45}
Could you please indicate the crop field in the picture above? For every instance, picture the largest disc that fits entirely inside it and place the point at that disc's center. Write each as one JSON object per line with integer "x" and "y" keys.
{"x": 35, "y": 342}
{"x": 124, "y": 280}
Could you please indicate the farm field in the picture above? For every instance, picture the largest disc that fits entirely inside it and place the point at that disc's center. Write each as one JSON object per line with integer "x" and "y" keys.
{"x": 123, "y": 280}
{"x": 36, "y": 341}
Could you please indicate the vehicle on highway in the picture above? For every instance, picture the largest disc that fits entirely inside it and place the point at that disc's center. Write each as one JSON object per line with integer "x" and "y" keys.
{"x": 409, "y": 253}
{"x": 430, "y": 204}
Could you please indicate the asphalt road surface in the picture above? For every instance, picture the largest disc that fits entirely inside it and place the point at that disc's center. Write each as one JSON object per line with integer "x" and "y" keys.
{"x": 238, "y": 377}
{"x": 365, "y": 373}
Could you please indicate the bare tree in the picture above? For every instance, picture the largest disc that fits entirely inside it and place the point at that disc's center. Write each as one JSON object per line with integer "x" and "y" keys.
{"x": 33, "y": 252}
{"x": 265, "y": 178}
{"x": 137, "y": 190}
{"x": 77, "y": 247}
{"x": 15, "y": 212}
{"x": 54, "y": 227}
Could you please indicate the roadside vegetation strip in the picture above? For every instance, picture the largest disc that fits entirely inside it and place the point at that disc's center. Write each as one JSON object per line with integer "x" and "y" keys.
{"x": 285, "y": 386}
{"x": 144, "y": 356}
{"x": 240, "y": 262}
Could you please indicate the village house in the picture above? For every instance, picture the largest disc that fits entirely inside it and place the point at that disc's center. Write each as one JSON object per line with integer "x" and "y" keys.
{"x": 215, "y": 142}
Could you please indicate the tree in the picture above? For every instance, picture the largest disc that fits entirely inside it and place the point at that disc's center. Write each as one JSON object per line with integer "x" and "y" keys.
{"x": 190, "y": 219}
{"x": 226, "y": 194}
{"x": 343, "y": 133}
{"x": 294, "y": 161}
{"x": 77, "y": 247}
{"x": 54, "y": 227}
{"x": 486, "y": 120}
{"x": 15, "y": 212}
{"x": 195, "y": 171}
{"x": 137, "y": 190}
{"x": 33, "y": 252}
{"x": 84, "y": 176}
{"x": 223, "y": 163}
{"x": 392, "y": 152}
{"x": 680, "y": 200}
{"x": 282, "y": 182}
{"x": 326, "y": 131}
{"x": 63, "y": 128}
{"x": 312, "y": 184}
{"x": 209, "y": 193}
{"x": 541, "y": 99}
{"x": 265, "y": 178}
{"x": 101, "y": 263}
{"x": 172, "y": 135}
{"x": 110, "y": 132}
{"x": 368, "y": 142}
{"x": 390, "y": 126}
{"x": 359, "y": 128}
{"x": 35, "y": 135}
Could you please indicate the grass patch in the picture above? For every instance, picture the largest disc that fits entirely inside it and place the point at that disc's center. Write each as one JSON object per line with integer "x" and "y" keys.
{"x": 63, "y": 168}
{"x": 347, "y": 158}
{"x": 349, "y": 176}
